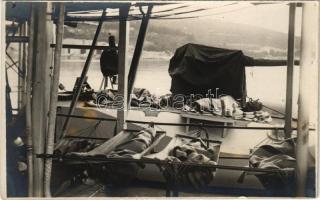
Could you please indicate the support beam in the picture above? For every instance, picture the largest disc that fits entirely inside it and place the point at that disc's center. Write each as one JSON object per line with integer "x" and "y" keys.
{"x": 54, "y": 99}
{"x": 137, "y": 51}
{"x": 76, "y": 46}
{"x": 20, "y": 78}
{"x": 309, "y": 65}
{"x": 24, "y": 63}
{"x": 83, "y": 76}
{"x": 123, "y": 67}
{"x": 290, "y": 62}
{"x": 28, "y": 101}
{"x": 21, "y": 68}
{"x": 18, "y": 39}
{"x": 255, "y": 62}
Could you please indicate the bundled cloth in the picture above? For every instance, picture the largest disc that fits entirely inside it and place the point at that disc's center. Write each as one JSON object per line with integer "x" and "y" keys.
{"x": 67, "y": 145}
{"x": 193, "y": 152}
{"x": 256, "y": 116}
{"x": 137, "y": 144}
{"x": 227, "y": 106}
{"x": 119, "y": 173}
{"x": 107, "y": 98}
{"x": 279, "y": 155}
{"x": 142, "y": 97}
{"x": 276, "y": 156}
{"x": 223, "y": 106}
{"x": 139, "y": 98}
{"x": 141, "y": 141}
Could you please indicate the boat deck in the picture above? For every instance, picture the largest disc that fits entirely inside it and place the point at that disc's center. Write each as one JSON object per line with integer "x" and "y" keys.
{"x": 150, "y": 181}
{"x": 230, "y": 137}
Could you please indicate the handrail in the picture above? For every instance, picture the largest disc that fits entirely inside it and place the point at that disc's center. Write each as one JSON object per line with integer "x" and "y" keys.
{"x": 84, "y": 117}
{"x": 86, "y": 160}
{"x": 179, "y": 124}
{"x": 77, "y": 46}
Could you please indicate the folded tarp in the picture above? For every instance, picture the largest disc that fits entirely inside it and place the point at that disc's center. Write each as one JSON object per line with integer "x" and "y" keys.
{"x": 195, "y": 69}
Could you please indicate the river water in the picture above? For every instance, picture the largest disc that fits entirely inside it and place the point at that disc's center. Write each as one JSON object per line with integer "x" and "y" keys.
{"x": 268, "y": 84}
{"x": 265, "y": 83}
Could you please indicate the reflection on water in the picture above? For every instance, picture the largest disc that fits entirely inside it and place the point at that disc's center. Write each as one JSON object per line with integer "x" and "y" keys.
{"x": 265, "y": 83}
{"x": 151, "y": 74}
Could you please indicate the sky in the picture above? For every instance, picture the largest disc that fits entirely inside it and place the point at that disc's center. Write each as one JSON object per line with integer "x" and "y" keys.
{"x": 270, "y": 16}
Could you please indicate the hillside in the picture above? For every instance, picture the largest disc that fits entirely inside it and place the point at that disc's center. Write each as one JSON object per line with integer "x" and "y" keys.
{"x": 168, "y": 35}
{"x": 254, "y": 41}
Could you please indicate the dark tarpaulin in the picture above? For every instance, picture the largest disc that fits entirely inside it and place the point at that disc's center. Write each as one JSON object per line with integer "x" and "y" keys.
{"x": 195, "y": 69}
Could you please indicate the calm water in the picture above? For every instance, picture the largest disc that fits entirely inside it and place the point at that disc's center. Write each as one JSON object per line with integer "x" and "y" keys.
{"x": 265, "y": 83}
{"x": 152, "y": 75}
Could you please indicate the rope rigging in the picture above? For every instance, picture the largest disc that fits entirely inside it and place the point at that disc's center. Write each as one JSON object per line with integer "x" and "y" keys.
{"x": 139, "y": 16}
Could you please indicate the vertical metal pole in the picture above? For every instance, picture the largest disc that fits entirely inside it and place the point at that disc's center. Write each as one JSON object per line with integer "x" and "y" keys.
{"x": 40, "y": 91}
{"x": 83, "y": 75}
{"x": 47, "y": 74}
{"x": 308, "y": 65}
{"x": 24, "y": 63}
{"x": 20, "y": 79}
{"x": 28, "y": 101}
{"x": 137, "y": 51}
{"x": 123, "y": 67}
{"x": 3, "y": 171}
{"x": 36, "y": 107}
{"x": 53, "y": 99}
{"x": 290, "y": 65}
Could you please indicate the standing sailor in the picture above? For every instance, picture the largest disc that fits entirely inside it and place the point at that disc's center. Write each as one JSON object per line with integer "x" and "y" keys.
{"x": 109, "y": 61}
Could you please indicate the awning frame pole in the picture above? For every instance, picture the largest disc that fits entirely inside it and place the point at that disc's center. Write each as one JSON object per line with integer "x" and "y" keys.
{"x": 138, "y": 50}
{"x": 290, "y": 66}
{"x": 28, "y": 101}
{"x": 124, "y": 28}
{"x": 83, "y": 75}
{"x": 40, "y": 91}
{"x": 309, "y": 56}
{"x": 54, "y": 99}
